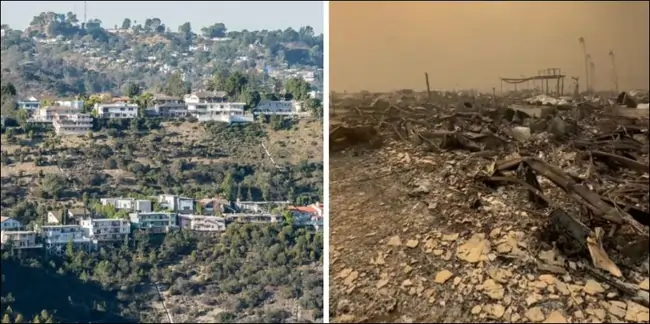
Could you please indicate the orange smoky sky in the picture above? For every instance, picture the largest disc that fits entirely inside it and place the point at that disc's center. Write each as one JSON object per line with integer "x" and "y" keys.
{"x": 383, "y": 46}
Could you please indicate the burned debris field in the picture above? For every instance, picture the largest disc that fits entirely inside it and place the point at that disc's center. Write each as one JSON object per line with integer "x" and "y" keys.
{"x": 456, "y": 208}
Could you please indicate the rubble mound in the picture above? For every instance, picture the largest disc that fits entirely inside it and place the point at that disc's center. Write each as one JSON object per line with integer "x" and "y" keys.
{"x": 495, "y": 211}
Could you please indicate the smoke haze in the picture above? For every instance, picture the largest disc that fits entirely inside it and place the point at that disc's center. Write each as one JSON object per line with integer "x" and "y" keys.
{"x": 384, "y": 46}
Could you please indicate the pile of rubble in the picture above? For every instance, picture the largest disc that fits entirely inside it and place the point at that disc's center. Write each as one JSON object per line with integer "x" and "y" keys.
{"x": 559, "y": 186}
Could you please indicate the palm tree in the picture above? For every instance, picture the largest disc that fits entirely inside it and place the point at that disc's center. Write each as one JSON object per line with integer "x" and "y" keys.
{"x": 586, "y": 57}
{"x": 615, "y": 72}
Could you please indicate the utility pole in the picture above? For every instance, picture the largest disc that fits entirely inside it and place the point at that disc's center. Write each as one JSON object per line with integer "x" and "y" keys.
{"x": 85, "y": 14}
{"x": 586, "y": 58}
{"x": 614, "y": 70}
{"x": 592, "y": 71}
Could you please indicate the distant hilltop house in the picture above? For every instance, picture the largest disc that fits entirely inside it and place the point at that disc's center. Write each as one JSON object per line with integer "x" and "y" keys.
{"x": 128, "y": 204}
{"x": 214, "y": 106}
{"x": 167, "y": 106}
{"x": 72, "y": 124}
{"x": 29, "y": 104}
{"x": 118, "y": 110}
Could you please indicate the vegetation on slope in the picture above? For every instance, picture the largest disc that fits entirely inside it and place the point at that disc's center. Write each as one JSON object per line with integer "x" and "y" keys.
{"x": 248, "y": 273}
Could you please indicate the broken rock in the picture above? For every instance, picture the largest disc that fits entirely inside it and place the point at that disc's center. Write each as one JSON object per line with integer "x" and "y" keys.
{"x": 394, "y": 241}
{"x": 472, "y": 250}
{"x": 535, "y": 314}
{"x": 493, "y": 289}
{"x": 443, "y": 276}
{"x": 555, "y": 317}
{"x": 593, "y": 287}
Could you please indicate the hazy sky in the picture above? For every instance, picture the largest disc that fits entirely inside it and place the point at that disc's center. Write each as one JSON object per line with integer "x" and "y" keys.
{"x": 380, "y": 46}
{"x": 237, "y": 15}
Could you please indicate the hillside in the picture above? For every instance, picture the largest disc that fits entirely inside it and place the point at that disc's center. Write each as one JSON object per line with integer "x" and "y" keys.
{"x": 151, "y": 157}
{"x": 250, "y": 273}
{"x": 202, "y": 279}
{"x": 56, "y": 55}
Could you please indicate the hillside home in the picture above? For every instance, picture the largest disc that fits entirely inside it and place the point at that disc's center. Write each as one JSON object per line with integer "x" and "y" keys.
{"x": 9, "y": 224}
{"x": 106, "y": 229}
{"x": 311, "y": 215}
{"x": 212, "y": 206}
{"x": 202, "y": 223}
{"x": 274, "y": 107}
{"x": 166, "y": 106}
{"x": 177, "y": 204}
{"x": 30, "y": 104}
{"x": 75, "y": 104}
{"x": 153, "y": 222}
{"x": 74, "y": 124}
{"x": 19, "y": 239}
{"x": 116, "y": 110}
{"x": 214, "y": 106}
{"x": 56, "y": 217}
{"x": 77, "y": 214}
{"x": 57, "y": 236}
{"x": 49, "y": 113}
{"x": 128, "y": 204}
{"x": 297, "y": 106}
{"x": 71, "y": 216}
{"x": 316, "y": 95}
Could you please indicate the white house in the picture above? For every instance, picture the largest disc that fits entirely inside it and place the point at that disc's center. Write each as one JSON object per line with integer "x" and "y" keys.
{"x": 202, "y": 223}
{"x": 275, "y": 107}
{"x": 9, "y": 224}
{"x": 56, "y": 237}
{"x": 214, "y": 106}
{"x": 106, "y": 229}
{"x": 19, "y": 239}
{"x": 130, "y": 204}
{"x": 74, "y": 124}
{"x": 154, "y": 222}
{"x": 176, "y": 204}
{"x": 166, "y": 106}
{"x": 116, "y": 110}
{"x": 49, "y": 113}
{"x": 30, "y": 104}
{"x": 316, "y": 95}
{"x": 76, "y": 104}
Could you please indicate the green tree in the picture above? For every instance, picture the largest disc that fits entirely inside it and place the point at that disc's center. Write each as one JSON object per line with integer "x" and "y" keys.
{"x": 216, "y": 30}
{"x": 288, "y": 217}
{"x": 126, "y": 24}
{"x": 52, "y": 185}
{"x": 297, "y": 89}
{"x": 8, "y": 89}
{"x": 235, "y": 84}
{"x": 228, "y": 186}
{"x": 218, "y": 82}
{"x": 143, "y": 101}
{"x": 176, "y": 86}
{"x": 131, "y": 89}
{"x": 185, "y": 29}
{"x": 251, "y": 98}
